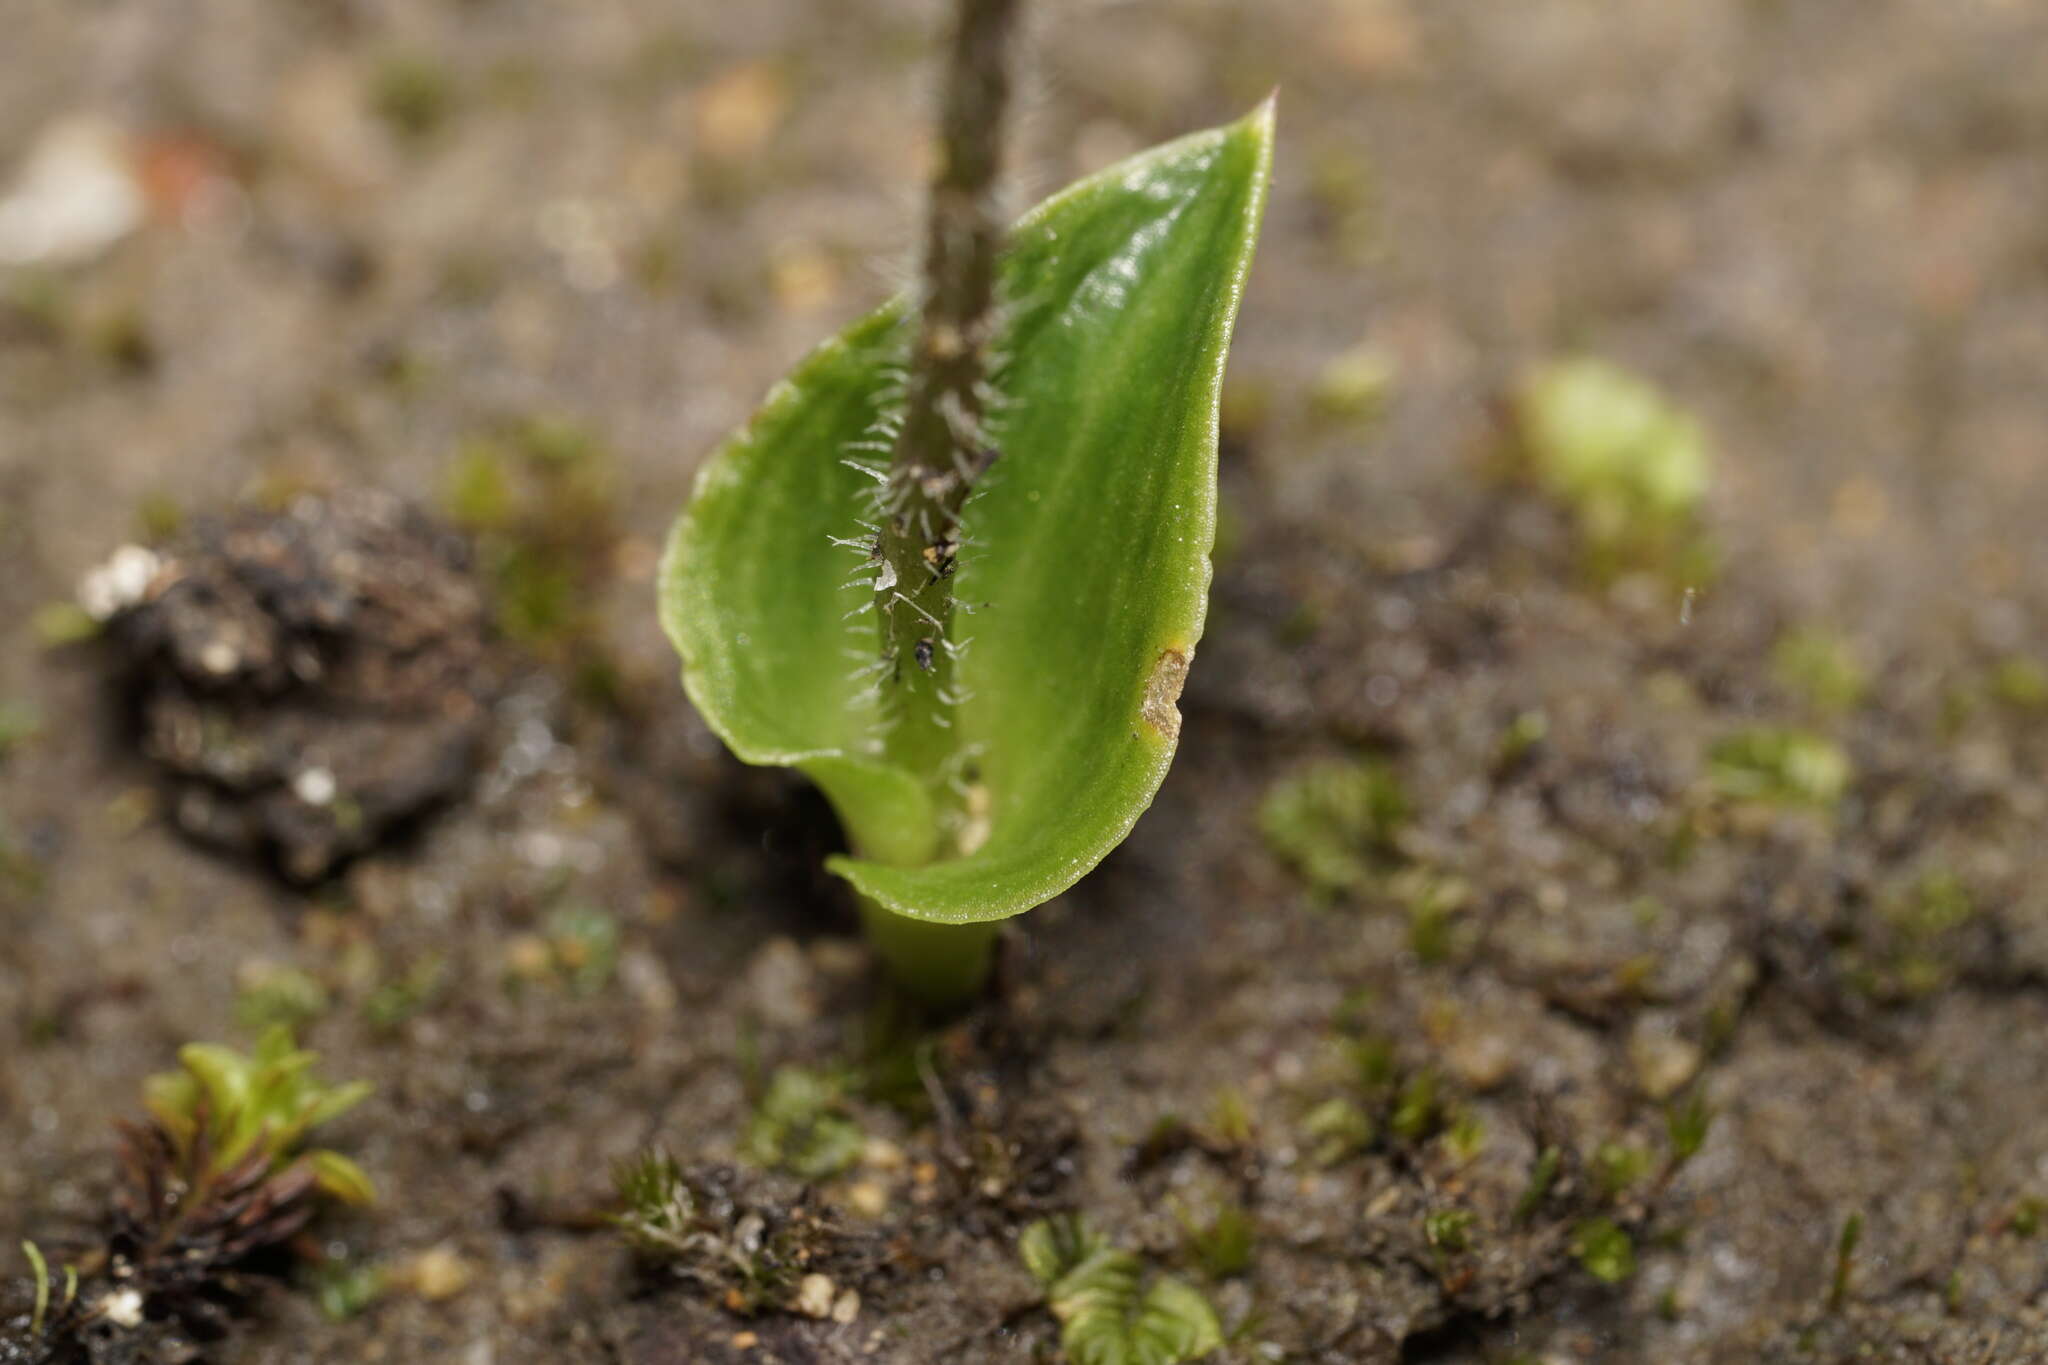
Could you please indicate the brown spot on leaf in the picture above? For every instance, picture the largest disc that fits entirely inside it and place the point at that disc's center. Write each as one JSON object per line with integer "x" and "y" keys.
{"x": 1162, "y": 690}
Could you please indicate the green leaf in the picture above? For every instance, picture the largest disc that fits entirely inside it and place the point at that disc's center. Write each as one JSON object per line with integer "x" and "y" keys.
{"x": 1087, "y": 566}
{"x": 340, "y": 1177}
{"x": 1107, "y": 1315}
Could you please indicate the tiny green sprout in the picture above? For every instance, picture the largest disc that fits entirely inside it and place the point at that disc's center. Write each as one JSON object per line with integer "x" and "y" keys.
{"x": 41, "y": 1268}
{"x": 344, "y": 1288}
{"x": 956, "y": 567}
{"x": 413, "y": 93}
{"x": 1107, "y": 1312}
{"x": 585, "y": 942}
{"x": 1230, "y": 1118}
{"x": 658, "y": 1212}
{"x": 1542, "y": 1176}
{"x": 266, "y": 1099}
{"x": 1332, "y": 820}
{"x": 1632, "y": 468}
{"x": 801, "y": 1125}
{"x": 1686, "y": 1124}
{"x": 1619, "y": 1167}
{"x": 271, "y": 995}
{"x": 1354, "y": 384}
{"x": 1845, "y": 1259}
{"x": 1465, "y": 1139}
{"x": 1337, "y": 1129}
{"x": 20, "y": 721}
{"x": 1448, "y": 1231}
{"x": 1818, "y": 665}
{"x": 1523, "y": 735}
{"x": 57, "y": 624}
{"x": 2028, "y": 1217}
{"x": 1222, "y": 1244}
{"x": 1777, "y": 766}
{"x": 1417, "y": 1112}
{"x": 2021, "y": 683}
{"x": 1604, "y": 1249}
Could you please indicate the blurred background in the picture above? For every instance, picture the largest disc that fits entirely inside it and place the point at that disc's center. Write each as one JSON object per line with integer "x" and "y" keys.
{"x": 525, "y": 264}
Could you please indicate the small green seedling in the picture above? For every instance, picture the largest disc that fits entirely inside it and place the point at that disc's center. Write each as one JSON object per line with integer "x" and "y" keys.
{"x": 235, "y": 1103}
{"x": 1777, "y": 766}
{"x": 1332, "y": 820}
{"x": 1108, "y": 1314}
{"x": 801, "y": 1126}
{"x": 1632, "y": 468}
{"x": 1606, "y": 1250}
{"x": 955, "y": 568}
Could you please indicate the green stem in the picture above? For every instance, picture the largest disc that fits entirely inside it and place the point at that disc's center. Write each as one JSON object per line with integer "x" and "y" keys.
{"x": 942, "y": 965}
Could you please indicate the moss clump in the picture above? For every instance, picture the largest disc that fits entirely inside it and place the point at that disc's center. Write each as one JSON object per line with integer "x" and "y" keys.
{"x": 1220, "y": 1244}
{"x": 1632, "y": 468}
{"x": 1331, "y": 821}
{"x": 538, "y": 496}
{"x": 1779, "y": 766}
{"x": 748, "y": 1248}
{"x": 413, "y": 94}
{"x": 1606, "y": 1251}
{"x": 1819, "y": 666}
{"x": 2021, "y": 683}
{"x": 802, "y": 1125}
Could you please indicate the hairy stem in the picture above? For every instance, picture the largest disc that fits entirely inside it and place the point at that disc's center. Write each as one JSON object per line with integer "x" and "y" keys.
{"x": 943, "y": 446}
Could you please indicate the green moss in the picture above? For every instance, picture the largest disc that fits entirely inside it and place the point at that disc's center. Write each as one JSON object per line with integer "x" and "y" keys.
{"x": 585, "y": 941}
{"x": 1618, "y": 1167}
{"x": 1336, "y": 1130}
{"x": 1433, "y": 902}
{"x": 479, "y": 494}
{"x": 802, "y": 1125}
{"x": 1779, "y": 766}
{"x": 279, "y": 996}
{"x": 20, "y": 722}
{"x": 2021, "y": 683}
{"x": 1332, "y": 820}
{"x": 413, "y": 93}
{"x": 1448, "y": 1231}
{"x": 158, "y": 517}
{"x": 1542, "y": 1175}
{"x": 1604, "y": 1249}
{"x": 1521, "y": 738}
{"x": 1417, "y": 1113}
{"x": 1818, "y": 665}
{"x": 1220, "y": 1244}
{"x": 57, "y": 624}
{"x": 751, "y": 1254}
{"x": 387, "y": 1008}
{"x": 1354, "y": 385}
{"x": 343, "y": 1288}
{"x": 1686, "y": 1124}
{"x": 1631, "y": 467}
{"x": 537, "y": 495}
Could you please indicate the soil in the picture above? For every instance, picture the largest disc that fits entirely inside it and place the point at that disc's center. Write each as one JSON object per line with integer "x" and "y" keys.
{"x": 523, "y": 266}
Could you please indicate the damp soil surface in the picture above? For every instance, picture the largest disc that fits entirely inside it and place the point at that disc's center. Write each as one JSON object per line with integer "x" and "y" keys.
{"x": 1595, "y": 1055}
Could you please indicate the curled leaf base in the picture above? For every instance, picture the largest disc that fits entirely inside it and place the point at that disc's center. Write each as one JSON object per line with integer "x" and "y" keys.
{"x": 941, "y": 965}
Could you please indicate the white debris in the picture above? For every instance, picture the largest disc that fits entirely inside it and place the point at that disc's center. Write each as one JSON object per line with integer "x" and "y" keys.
{"x": 123, "y": 1308}
{"x": 314, "y": 786}
{"x": 120, "y": 582}
{"x": 816, "y": 1295}
{"x": 76, "y": 194}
